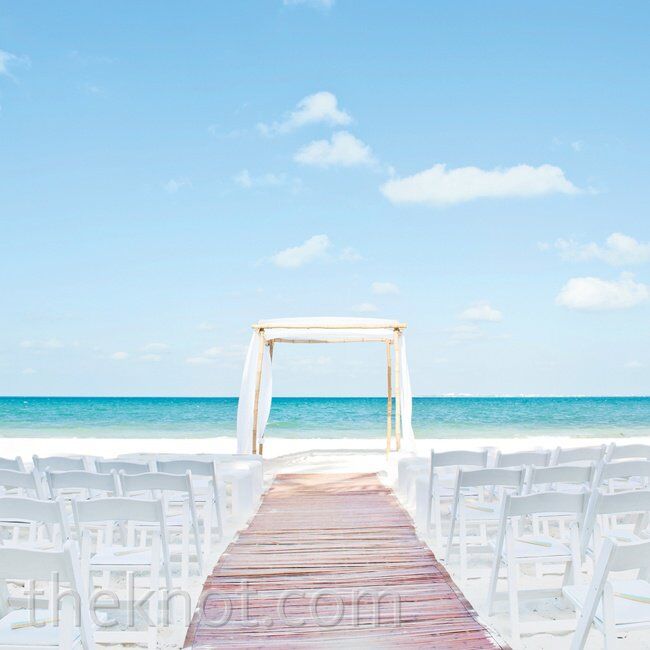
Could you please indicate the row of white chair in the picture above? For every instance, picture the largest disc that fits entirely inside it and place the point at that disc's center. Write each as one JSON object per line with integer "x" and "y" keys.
{"x": 521, "y": 496}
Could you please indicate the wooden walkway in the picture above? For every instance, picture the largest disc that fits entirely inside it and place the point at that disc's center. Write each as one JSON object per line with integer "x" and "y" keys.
{"x": 295, "y": 577}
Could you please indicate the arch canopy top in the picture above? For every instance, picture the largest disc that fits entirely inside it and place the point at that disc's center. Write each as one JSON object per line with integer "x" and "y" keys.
{"x": 328, "y": 329}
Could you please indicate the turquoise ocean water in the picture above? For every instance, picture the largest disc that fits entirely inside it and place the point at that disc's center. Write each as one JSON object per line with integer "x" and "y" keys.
{"x": 322, "y": 417}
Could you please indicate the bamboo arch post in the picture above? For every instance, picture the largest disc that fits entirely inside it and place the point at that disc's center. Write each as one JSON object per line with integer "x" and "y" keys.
{"x": 398, "y": 392}
{"x": 389, "y": 392}
{"x": 258, "y": 384}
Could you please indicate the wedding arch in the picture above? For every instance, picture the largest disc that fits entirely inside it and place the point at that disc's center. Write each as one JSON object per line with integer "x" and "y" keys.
{"x": 256, "y": 388}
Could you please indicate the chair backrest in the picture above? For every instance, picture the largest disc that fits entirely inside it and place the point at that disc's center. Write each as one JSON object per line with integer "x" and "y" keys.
{"x": 619, "y": 503}
{"x": 118, "y": 509}
{"x": 59, "y": 463}
{"x": 572, "y": 474}
{"x": 36, "y": 511}
{"x": 635, "y": 450}
{"x": 459, "y": 458}
{"x": 106, "y": 483}
{"x": 47, "y": 566}
{"x": 16, "y": 464}
{"x": 522, "y": 458}
{"x": 26, "y": 481}
{"x": 124, "y": 466}
{"x": 623, "y": 469}
{"x": 545, "y": 502}
{"x": 563, "y": 456}
{"x": 497, "y": 477}
{"x": 612, "y": 557}
{"x": 156, "y": 482}
{"x": 181, "y": 466}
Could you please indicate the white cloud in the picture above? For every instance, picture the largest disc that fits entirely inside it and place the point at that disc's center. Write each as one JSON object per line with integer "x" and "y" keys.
{"x": 595, "y": 294}
{"x": 211, "y": 355}
{"x": 384, "y": 288}
{"x": 438, "y": 186}
{"x": 120, "y": 356}
{"x": 46, "y": 344}
{"x": 28, "y": 371}
{"x": 323, "y": 4}
{"x": 349, "y": 254}
{"x": 243, "y": 179}
{"x": 577, "y": 145}
{"x": 156, "y": 347}
{"x": 313, "y": 249}
{"x": 618, "y": 250}
{"x": 174, "y": 184}
{"x": 365, "y": 308}
{"x": 199, "y": 361}
{"x": 93, "y": 89}
{"x": 246, "y": 181}
{"x": 633, "y": 365}
{"x": 481, "y": 311}
{"x": 150, "y": 357}
{"x": 466, "y": 332}
{"x": 9, "y": 60}
{"x": 342, "y": 150}
{"x": 206, "y": 326}
{"x": 319, "y": 107}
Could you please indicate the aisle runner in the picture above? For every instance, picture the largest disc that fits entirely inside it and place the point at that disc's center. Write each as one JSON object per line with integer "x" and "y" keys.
{"x": 332, "y": 560}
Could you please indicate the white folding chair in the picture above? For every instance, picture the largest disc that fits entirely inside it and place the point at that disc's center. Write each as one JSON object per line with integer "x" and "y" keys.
{"x": 90, "y": 484}
{"x": 206, "y": 494}
{"x": 634, "y": 505}
{"x": 60, "y": 463}
{"x": 575, "y": 455}
{"x": 32, "y": 523}
{"x": 622, "y": 452}
{"x": 559, "y": 478}
{"x": 104, "y": 466}
{"x": 556, "y": 478}
{"x": 16, "y": 464}
{"x": 46, "y": 627}
{"x": 623, "y": 475}
{"x": 440, "y": 486}
{"x": 514, "y": 547}
{"x": 408, "y": 469}
{"x": 186, "y": 523}
{"x": 522, "y": 459}
{"x": 480, "y": 511}
{"x": 149, "y": 554}
{"x": 613, "y": 607}
{"x": 16, "y": 483}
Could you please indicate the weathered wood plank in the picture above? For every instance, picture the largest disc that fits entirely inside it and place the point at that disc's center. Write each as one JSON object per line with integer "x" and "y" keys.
{"x": 333, "y": 561}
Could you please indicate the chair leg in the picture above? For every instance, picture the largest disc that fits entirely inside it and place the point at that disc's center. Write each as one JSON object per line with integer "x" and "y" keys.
{"x": 513, "y": 601}
{"x": 438, "y": 522}
{"x": 609, "y": 627}
{"x": 492, "y": 589}
{"x": 462, "y": 533}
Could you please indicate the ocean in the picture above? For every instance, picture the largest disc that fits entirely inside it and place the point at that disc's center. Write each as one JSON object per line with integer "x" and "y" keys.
{"x": 323, "y": 417}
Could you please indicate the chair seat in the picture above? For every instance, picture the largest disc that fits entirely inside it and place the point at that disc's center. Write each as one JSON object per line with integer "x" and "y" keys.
{"x": 37, "y": 637}
{"x": 121, "y": 555}
{"x": 627, "y": 610}
{"x": 479, "y": 511}
{"x": 539, "y": 546}
{"x": 621, "y": 536}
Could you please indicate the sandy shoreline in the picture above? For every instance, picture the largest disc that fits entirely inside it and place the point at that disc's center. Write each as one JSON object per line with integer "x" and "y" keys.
{"x": 277, "y": 447}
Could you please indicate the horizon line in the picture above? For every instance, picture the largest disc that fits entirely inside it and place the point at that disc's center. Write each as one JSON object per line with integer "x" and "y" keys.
{"x": 431, "y": 396}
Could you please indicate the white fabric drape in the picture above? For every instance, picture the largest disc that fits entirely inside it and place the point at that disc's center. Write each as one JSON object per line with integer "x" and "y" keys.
{"x": 408, "y": 437}
{"x": 372, "y": 329}
{"x": 246, "y": 405}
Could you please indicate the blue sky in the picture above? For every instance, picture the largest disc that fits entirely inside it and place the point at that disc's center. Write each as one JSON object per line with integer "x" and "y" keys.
{"x": 170, "y": 173}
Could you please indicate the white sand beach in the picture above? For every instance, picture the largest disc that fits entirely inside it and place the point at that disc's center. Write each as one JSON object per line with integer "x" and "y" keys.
{"x": 345, "y": 455}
